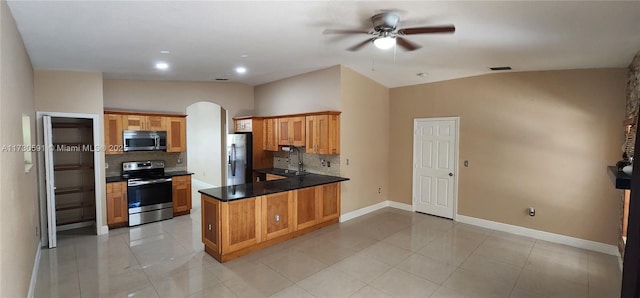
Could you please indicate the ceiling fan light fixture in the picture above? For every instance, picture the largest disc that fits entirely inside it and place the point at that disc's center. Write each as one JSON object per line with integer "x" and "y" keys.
{"x": 384, "y": 43}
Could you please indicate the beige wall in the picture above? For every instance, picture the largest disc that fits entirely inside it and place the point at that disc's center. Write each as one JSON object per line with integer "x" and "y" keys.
{"x": 73, "y": 92}
{"x": 540, "y": 139}
{"x": 19, "y": 217}
{"x": 310, "y": 92}
{"x": 176, "y": 96}
{"x": 364, "y": 140}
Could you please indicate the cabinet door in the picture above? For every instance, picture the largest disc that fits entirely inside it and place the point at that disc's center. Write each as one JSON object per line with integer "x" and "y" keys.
{"x": 305, "y": 208}
{"x": 176, "y": 134}
{"x": 211, "y": 223}
{"x": 329, "y": 202}
{"x": 277, "y": 213}
{"x": 243, "y": 125}
{"x": 113, "y": 133}
{"x": 117, "y": 211}
{"x": 323, "y": 134}
{"x": 270, "y": 134}
{"x": 156, "y": 123}
{"x": 297, "y": 131}
{"x": 241, "y": 224}
{"x": 181, "y": 194}
{"x": 284, "y": 134}
{"x": 134, "y": 122}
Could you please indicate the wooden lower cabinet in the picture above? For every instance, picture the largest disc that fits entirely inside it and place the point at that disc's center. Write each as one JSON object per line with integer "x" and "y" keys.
{"x": 235, "y": 228}
{"x": 329, "y": 205}
{"x": 211, "y": 224}
{"x": 241, "y": 224}
{"x": 277, "y": 215}
{"x": 181, "y": 186}
{"x": 117, "y": 210}
{"x": 306, "y": 208}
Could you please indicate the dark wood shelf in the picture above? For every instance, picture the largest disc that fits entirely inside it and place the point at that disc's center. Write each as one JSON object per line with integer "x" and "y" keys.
{"x": 72, "y": 207}
{"x": 74, "y": 221}
{"x": 72, "y": 167}
{"x": 71, "y": 190}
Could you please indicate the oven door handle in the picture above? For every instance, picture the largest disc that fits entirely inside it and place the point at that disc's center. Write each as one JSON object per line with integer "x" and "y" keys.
{"x": 147, "y": 182}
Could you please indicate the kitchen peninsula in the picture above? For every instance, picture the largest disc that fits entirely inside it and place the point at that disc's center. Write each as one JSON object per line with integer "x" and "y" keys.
{"x": 240, "y": 219}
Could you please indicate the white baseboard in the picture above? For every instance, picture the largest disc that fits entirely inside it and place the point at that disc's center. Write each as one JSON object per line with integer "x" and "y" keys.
{"x": 195, "y": 186}
{"x": 542, "y": 235}
{"x": 103, "y": 230}
{"x": 374, "y": 207}
{"x": 34, "y": 273}
{"x": 401, "y": 206}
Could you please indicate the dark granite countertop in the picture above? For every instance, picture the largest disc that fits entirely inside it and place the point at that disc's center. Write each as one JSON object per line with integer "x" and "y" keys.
{"x": 256, "y": 189}
{"x": 620, "y": 179}
{"x": 119, "y": 178}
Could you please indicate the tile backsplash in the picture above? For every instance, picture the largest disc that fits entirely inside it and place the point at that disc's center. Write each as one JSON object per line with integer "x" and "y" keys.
{"x": 170, "y": 160}
{"x": 312, "y": 162}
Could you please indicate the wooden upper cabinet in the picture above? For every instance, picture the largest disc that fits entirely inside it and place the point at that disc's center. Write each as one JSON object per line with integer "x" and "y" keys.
{"x": 141, "y": 122}
{"x": 113, "y": 134}
{"x": 117, "y": 209}
{"x": 323, "y": 134}
{"x": 156, "y": 123}
{"x": 134, "y": 122}
{"x": 270, "y": 132}
{"x": 243, "y": 125}
{"x": 176, "y": 134}
{"x": 291, "y": 131}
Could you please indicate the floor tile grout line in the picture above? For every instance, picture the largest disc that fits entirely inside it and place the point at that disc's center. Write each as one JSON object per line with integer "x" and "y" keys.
{"x": 522, "y": 269}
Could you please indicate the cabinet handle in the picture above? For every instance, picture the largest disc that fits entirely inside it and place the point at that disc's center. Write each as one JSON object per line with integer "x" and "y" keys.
{"x": 209, "y": 227}
{"x": 277, "y": 217}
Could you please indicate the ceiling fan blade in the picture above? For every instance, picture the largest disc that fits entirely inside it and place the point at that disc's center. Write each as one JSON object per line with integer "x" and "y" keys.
{"x": 360, "y": 45}
{"x": 407, "y": 45}
{"x": 427, "y": 30}
{"x": 345, "y": 31}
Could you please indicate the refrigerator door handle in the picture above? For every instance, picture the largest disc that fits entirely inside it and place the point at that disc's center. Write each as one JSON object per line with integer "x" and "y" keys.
{"x": 233, "y": 162}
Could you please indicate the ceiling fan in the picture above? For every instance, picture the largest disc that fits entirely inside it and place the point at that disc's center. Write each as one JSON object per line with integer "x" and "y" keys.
{"x": 385, "y": 33}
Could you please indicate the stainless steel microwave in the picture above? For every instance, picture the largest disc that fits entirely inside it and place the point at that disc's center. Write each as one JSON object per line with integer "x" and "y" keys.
{"x": 139, "y": 140}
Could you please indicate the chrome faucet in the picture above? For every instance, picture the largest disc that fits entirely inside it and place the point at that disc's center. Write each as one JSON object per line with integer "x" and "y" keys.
{"x": 300, "y": 164}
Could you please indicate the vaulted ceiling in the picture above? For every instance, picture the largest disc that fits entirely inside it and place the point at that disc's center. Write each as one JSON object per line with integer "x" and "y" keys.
{"x": 207, "y": 40}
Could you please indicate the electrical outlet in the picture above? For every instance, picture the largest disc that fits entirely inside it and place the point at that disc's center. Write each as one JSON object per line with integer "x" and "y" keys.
{"x": 532, "y": 211}
{"x": 37, "y": 231}
{"x": 379, "y": 190}
{"x": 179, "y": 161}
{"x": 106, "y": 165}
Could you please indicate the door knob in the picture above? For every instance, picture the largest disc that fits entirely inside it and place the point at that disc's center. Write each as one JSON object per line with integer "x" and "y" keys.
{"x": 451, "y": 174}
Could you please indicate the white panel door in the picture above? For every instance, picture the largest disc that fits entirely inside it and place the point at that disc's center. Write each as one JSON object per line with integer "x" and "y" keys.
{"x": 434, "y": 166}
{"x": 50, "y": 181}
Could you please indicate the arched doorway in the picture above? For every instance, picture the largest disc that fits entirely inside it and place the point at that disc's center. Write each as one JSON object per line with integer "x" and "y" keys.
{"x": 207, "y": 130}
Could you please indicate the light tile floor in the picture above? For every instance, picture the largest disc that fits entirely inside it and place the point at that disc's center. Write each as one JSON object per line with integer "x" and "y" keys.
{"x": 389, "y": 253}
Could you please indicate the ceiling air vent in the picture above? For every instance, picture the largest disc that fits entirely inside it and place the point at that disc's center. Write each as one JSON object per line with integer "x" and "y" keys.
{"x": 500, "y": 68}
{"x": 221, "y": 79}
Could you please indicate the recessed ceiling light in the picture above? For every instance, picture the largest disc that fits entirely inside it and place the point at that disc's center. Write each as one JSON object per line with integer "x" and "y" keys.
{"x": 165, "y": 52}
{"x": 241, "y": 69}
{"x": 244, "y": 56}
{"x": 422, "y": 74}
{"x": 162, "y": 65}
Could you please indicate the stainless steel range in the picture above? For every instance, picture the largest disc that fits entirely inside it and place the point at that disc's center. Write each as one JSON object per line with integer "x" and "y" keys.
{"x": 149, "y": 192}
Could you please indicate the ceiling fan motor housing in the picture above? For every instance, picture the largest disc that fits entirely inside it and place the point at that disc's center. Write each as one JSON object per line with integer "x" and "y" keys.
{"x": 385, "y": 22}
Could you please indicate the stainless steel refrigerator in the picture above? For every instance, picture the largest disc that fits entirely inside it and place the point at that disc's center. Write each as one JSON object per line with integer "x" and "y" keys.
{"x": 239, "y": 158}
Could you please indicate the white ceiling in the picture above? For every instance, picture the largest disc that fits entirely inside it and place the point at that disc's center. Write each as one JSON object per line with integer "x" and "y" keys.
{"x": 123, "y": 39}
